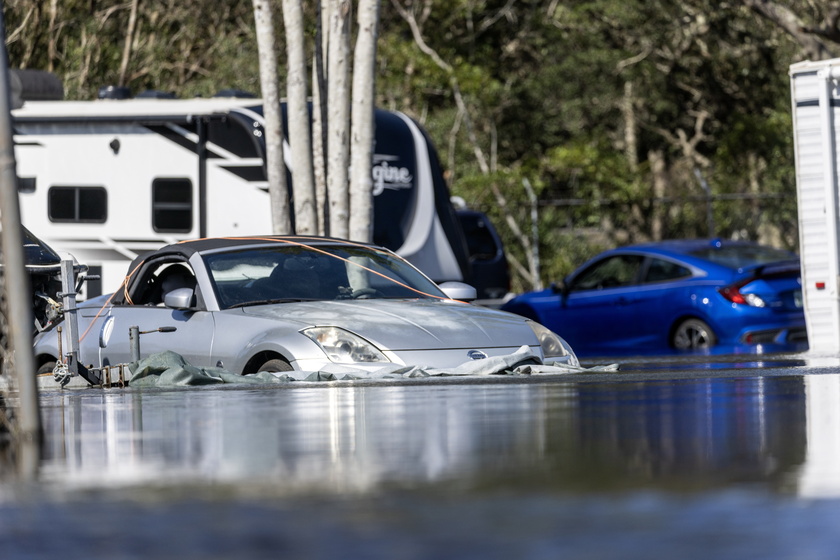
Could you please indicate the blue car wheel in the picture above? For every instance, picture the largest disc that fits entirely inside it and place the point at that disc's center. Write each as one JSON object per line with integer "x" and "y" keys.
{"x": 693, "y": 334}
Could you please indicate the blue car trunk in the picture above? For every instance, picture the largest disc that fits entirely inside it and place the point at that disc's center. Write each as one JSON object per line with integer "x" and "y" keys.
{"x": 779, "y": 286}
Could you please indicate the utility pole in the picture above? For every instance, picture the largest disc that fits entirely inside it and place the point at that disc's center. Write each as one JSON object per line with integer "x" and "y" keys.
{"x": 18, "y": 299}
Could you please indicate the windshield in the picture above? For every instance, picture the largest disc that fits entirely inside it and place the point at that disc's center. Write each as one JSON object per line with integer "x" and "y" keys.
{"x": 744, "y": 256}
{"x": 325, "y": 272}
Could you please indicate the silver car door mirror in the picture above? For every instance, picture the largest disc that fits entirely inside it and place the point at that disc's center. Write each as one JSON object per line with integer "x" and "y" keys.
{"x": 459, "y": 290}
{"x": 180, "y": 298}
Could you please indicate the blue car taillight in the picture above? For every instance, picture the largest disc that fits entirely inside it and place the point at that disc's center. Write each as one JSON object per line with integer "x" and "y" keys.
{"x": 733, "y": 293}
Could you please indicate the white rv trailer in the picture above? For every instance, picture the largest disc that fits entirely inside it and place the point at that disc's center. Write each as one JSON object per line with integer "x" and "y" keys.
{"x": 107, "y": 180}
{"x": 815, "y": 94}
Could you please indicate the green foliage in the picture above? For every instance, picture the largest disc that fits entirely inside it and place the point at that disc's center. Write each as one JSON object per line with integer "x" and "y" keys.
{"x": 584, "y": 98}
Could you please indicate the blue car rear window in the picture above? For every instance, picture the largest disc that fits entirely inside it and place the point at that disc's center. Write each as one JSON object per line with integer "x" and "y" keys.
{"x": 740, "y": 256}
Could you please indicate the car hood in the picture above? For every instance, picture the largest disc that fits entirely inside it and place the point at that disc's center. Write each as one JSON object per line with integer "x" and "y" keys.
{"x": 404, "y": 325}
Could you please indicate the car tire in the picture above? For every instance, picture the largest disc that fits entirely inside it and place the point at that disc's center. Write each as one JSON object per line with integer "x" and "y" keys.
{"x": 693, "y": 334}
{"x": 46, "y": 368}
{"x": 275, "y": 365}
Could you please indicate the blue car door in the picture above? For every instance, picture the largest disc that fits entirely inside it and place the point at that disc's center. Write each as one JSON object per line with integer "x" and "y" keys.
{"x": 599, "y": 310}
{"x": 660, "y": 297}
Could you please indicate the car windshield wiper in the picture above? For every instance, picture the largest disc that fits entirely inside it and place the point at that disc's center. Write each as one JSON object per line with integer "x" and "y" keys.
{"x": 269, "y": 301}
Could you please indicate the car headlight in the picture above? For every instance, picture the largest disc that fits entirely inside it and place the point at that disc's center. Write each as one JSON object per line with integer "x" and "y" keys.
{"x": 344, "y": 347}
{"x": 553, "y": 346}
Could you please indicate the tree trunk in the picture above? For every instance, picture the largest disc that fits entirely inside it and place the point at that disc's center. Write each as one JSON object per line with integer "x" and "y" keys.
{"x": 630, "y": 127}
{"x": 338, "y": 105}
{"x": 52, "y": 51}
{"x": 297, "y": 111}
{"x": 275, "y": 167}
{"x": 129, "y": 40}
{"x": 319, "y": 116}
{"x": 362, "y": 130}
{"x": 660, "y": 182}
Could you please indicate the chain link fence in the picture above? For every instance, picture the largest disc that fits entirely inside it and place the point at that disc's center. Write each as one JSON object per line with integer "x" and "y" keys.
{"x": 572, "y": 230}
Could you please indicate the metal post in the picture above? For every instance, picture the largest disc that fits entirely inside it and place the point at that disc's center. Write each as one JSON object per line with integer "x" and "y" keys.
{"x": 134, "y": 333}
{"x": 73, "y": 358}
{"x": 19, "y": 300}
{"x": 134, "y": 343}
{"x": 68, "y": 297}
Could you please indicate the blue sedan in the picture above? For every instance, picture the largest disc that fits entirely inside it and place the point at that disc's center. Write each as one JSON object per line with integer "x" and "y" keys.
{"x": 681, "y": 295}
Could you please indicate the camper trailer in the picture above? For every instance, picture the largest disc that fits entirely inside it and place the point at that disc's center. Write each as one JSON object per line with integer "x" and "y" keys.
{"x": 815, "y": 91}
{"x": 110, "y": 179}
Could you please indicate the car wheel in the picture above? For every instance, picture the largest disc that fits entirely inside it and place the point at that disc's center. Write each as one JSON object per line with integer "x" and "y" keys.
{"x": 46, "y": 367}
{"x": 275, "y": 365}
{"x": 693, "y": 334}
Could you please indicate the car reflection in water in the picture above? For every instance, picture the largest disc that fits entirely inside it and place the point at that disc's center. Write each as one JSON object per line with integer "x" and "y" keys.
{"x": 678, "y": 434}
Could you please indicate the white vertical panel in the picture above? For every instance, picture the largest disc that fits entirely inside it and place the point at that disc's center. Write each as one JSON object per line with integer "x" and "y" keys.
{"x": 816, "y": 123}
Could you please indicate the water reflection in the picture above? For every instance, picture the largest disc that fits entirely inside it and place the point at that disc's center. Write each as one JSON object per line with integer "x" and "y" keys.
{"x": 699, "y": 432}
{"x": 819, "y": 475}
{"x": 340, "y": 438}
{"x": 778, "y": 432}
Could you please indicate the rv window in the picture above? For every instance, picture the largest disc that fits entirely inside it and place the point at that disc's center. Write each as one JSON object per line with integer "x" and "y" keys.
{"x": 172, "y": 206}
{"x": 78, "y": 204}
{"x": 26, "y": 184}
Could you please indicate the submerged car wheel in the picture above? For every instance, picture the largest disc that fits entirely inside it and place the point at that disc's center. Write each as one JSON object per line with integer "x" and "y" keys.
{"x": 46, "y": 368}
{"x": 275, "y": 365}
{"x": 693, "y": 334}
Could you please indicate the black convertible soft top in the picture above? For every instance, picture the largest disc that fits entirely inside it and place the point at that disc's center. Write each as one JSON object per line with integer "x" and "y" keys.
{"x": 187, "y": 249}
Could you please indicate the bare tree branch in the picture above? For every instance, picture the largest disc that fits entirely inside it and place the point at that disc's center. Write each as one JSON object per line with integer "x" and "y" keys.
{"x": 783, "y": 17}
{"x": 504, "y": 12}
{"x": 687, "y": 145}
{"x": 463, "y": 113}
{"x": 829, "y": 30}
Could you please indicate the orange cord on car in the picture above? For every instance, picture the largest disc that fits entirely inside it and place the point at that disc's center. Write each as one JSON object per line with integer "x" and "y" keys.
{"x": 101, "y": 309}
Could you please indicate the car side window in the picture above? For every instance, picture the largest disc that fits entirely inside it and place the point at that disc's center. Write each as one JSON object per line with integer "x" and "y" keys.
{"x": 660, "y": 270}
{"x": 157, "y": 281}
{"x": 612, "y": 272}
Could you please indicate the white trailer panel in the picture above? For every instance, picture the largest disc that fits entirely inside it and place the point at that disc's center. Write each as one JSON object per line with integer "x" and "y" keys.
{"x": 108, "y": 180}
{"x": 816, "y": 121}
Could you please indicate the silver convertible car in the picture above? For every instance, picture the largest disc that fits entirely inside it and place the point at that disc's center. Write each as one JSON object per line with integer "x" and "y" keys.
{"x": 293, "y": 303}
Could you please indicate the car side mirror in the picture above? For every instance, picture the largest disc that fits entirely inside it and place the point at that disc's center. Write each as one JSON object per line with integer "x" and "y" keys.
{"x": 459, "y": 290}
{"x": 180, "y": 298}
{"x": 561, "y": 287}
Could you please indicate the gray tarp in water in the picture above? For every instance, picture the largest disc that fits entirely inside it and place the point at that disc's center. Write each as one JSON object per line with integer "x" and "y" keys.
{"x": 170, "y": 369}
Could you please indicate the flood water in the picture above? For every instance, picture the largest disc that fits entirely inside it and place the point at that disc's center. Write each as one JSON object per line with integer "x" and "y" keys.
{"x": 738, "y": 457}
